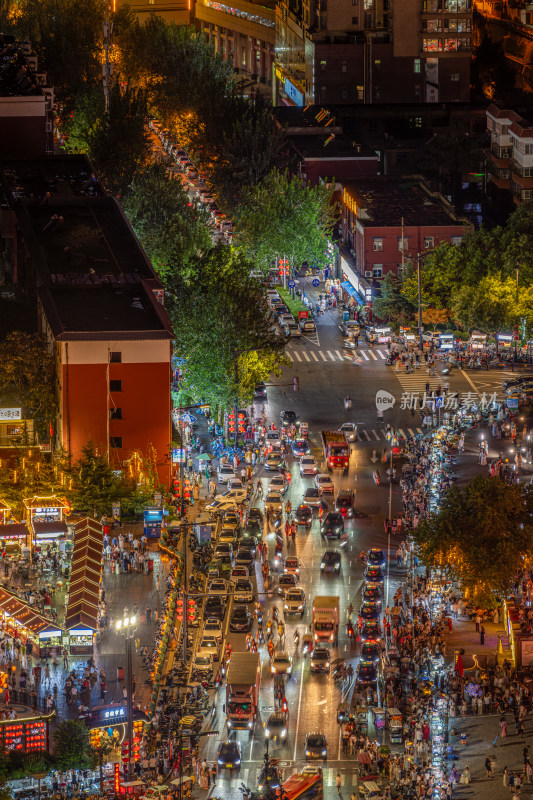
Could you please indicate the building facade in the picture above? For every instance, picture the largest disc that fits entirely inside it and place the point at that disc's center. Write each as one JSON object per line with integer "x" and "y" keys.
{"x": 372, "y": 51}
{"x": 385, "y": 223}
{"x": 243, "y": 32}
{"x": 73, "y": 256}
{"x": 510, "y": 161}
{"x": 171, "y": 10}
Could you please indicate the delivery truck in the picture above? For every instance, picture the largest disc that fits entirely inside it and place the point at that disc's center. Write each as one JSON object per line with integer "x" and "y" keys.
{"x": 336, "y": 450}
{"x": 242, "y": 690}
{"x": 325, "y": 619}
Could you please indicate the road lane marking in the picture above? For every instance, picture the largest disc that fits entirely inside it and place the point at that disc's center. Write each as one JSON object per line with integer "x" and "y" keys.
{"x": 299, "y": 709}
{"x": 382, "y": 355}
{"x": 373, "y": 355}
{"x": 402, "y": 434}
{"x": 306, "y": 356}
{"x": 375, "y": 434}
{"x": 289, "y": 355}
{"x": 340, "y": 355}
{"x": 367, "y": 436}
{"x": 363, "y": 353}
{"x": 314, "y": 355}
{"x": 297, "y": 355}
{"x": 322, "y": 356}
{"x": 330, "y": 354}
{"x": 411, "y": 432}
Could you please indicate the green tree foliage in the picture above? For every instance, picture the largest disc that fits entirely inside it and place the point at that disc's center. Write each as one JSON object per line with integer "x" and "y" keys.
{"x": 118, "y": 143}
{"x": 30, "y": 473}
{"x": 222, "y": 310}
{"x": 95, "y": 485}
{"x": 480, "y": 536}
{"x": 67, "y": 35}
{"x": 72, "y": 746}
{"x": 28, "y": 369}
{"x": 392, "y": 305}
{"x": 490, "y": 305}
{"x": 283, "y": 217}
{"x": 173, "y": 230}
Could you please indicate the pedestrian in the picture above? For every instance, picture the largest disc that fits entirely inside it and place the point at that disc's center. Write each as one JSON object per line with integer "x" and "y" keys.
{"x": 214, "y": 774}
{"x": 488, "y": 766}
{"x": 503, "y": 727}
{"x": 338, "y": 782}
{"x": 482, "y": 635}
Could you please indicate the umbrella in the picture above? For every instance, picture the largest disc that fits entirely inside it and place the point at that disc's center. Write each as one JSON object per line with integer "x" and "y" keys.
{"x": 204, "y": 457}
{"x": 186, "y": 417}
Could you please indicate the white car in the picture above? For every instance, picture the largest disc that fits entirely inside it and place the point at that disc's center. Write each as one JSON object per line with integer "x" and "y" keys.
{"x": 213, "y": 627}
{"x": 228, "y": 536}
{"x": 203, "y": 662}
{"x": 243, "y": 591}
{"x": 221, "y": 504}
{"x": 235, "y": 483}
{"x": 218, "y": 586}
{"x": 278, "y": 484}
{"x": 209, "y": 645}
{"x": 274, "y": 501}
{"x": 294, "y": 601}
{"x": 237, "y": 495}
{"x": 350, "y": 431}
{"x": 225, "y": 472}
{"x": 324, "y": 484}
{"x": 272, "y": 438}
{"x": 281, "y": 664}
{"x": 308, "y": 465}
{"x": 292, "y": 329}
{"x": 285, "y": 319}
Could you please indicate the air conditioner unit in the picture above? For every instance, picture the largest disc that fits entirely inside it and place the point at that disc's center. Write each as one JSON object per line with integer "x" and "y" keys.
{"x": 49, "y": 127}
{"x": 368, "y": 273}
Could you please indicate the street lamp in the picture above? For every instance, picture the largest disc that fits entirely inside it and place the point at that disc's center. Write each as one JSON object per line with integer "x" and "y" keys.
{"x": 392, "y": 444}
{"x": 127, "y": 628}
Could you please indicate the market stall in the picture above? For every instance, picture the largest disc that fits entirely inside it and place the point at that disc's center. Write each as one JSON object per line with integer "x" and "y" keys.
{"x": 20, "y": 620}
{"x": 46, "y": 518}
{"x": 26, "y": 734}
{"x": 14, "y": 535}
{"x": 84, "y": 587}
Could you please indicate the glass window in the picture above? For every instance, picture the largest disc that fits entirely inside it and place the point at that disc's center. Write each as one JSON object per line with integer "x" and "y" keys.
{"x": 377, "y": 270}
{"x": 115, "y": 386}
{"x": 417, "y": 64}
{"x": 450, "y": 45}
{"x": 344, "y": 93}
{"x": 405, "y": 243}
{"x": 355, "y": 20}
{"x": 433, "y": 25}
{"x": 455, "y": 76}
{"x": 115, "y": 357}
{"x": 323, "y": 65}
{"x": 344, "y": 66}
{"x": 116, "y": 442}
{"x": 360, "y": 92}
{"x": 432, "y": 45}
{"x": 429, "y": 242}
{"x": 456, "y": 239}
{"x": 377, "y": 244}
{"x": 115, "y": 413}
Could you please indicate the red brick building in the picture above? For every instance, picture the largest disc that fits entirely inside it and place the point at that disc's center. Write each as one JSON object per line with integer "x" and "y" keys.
{"x": 383, "y": 218}
{"x": 71, "y": 253}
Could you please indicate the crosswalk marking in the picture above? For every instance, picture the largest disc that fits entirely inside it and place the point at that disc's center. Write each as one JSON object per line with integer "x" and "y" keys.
{"x": 372, "y": 355}
{"x": 400, "y": 431}
{"x": 303, "y": 354}
{"x": 364, "y": 354}
{"x": 411, "y": 431}
{"x": 322, "y": 356}
{"x": 340, "y": 355}
{"x": 330, "y": 354}
{"x": 289, "y": 355}
{"x": 378, "y": 435}
{"x": 306, "y": 356}
{"x": 375, "y": 434}
{"x": 298, "y": 356}
{"x": 314, "y": 355}
{"x": 382, "y": 354}
{"x": 366, "y": 434}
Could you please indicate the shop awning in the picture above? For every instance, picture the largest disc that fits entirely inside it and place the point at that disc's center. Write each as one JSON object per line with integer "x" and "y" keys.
{"x": 84, "y": 586}
{"x": 49, "y": 530}
{"x": 23, "y": 615}
{"x": 347, "y": 286}
{"x": 16, "y": 530}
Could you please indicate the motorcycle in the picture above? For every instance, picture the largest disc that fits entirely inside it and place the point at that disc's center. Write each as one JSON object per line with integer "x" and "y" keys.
{"x": 377, "y": 477}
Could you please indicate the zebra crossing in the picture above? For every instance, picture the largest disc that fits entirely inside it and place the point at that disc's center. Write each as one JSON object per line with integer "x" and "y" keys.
{"x": 379, "y": 435}
{"x": 250, "y": 775}
{"x": 416, "y": 382}
{"x": 312, "y": 356}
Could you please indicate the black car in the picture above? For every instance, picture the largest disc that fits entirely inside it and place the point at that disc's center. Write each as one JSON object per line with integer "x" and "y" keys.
{"x": 249, "y": 543}
{"x": 371, "y": 650}
{"x": 229, "y": 755}
{"x": 344, "y": 503}
{"x": 374, "y": 575}
{"x": 376, "y": 557}
{"x": 240, "y": 620}
{"x": 276, "y": 727}
{"x": 331, "y": 561}
{"x": 254, "y": 520}
{"x": 371, "y": 594}
{"x": 215, "y": 606}
{"x": 260, "y": 391}
{"x": 332, "y": 525}
{"x": 370, "y": 611}
{"x": 289, "y": 418}
{"x": 304, "y": 515}
{"x": 367, "y": 673}
{"x": 320, "y": 660}
{"x": 371, "y": 629}
{"x": 316, "y": 745}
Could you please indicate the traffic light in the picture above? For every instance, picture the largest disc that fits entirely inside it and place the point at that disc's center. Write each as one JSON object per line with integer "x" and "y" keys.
{"x": 296, "y": 384}
{"x": 179, "y": 609}
{"x": 191, "y": 610}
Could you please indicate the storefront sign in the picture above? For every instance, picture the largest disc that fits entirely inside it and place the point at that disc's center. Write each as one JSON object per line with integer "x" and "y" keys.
{"x": 178, "y": 455}
{"x": 10, "y": 413}
{"x": 349, "y": 202}
{"x": 116, "y": 509}
{"x": 293, "y": 93}
{"x": 526, "y": 646}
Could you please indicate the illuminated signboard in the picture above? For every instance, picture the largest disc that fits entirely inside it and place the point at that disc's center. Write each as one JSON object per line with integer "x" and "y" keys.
{"x": 349, "y": 202}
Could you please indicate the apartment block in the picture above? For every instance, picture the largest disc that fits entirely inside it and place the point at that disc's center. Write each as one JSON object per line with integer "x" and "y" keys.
{"x": 510, "y": 162}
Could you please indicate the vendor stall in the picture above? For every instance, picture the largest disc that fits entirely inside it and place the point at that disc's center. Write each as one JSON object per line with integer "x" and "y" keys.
{"x": 14, "y": 535}
{"x": 84, "y": 587}
{"x": 20, "y": 620}
{"x": 26, "y": 734}
{"x": 46, "y": 518}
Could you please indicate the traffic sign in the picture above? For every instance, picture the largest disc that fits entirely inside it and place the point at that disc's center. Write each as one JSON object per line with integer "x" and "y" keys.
{"x": 315, "y": 282}
{"x": 439, "y": 402}
{"x": 291, "y": 284}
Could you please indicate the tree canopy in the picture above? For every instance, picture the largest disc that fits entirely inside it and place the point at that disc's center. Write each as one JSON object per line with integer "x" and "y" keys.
{"x": 479, "y": 536}
{"x": 72, "y": 746}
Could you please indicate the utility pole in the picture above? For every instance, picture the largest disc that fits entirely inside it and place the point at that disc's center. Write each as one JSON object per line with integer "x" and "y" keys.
{"x": 515, "y": 333}
{"x": 419, "y": 276}
{"x": 107, "y": 66}
{"x": 403, "y": 248}
{"x": 236, "y": 410}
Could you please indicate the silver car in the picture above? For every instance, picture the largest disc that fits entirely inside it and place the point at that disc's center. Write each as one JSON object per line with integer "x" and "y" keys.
{"x": 274, "y": 501}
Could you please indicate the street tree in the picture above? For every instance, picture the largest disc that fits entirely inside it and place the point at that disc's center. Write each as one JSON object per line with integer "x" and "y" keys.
{"x": 72, "y": 746}
{"x": 283, "y": 217}
{"x": 28, "y": 369}
{"x": 480, "y": 536}
{"x": 222, "y": 311}
{"x": 173, "y": 230}
{"x": 392, "y": 305}
{"x": 490, "y": 306}
{"x": 94, "y": 484}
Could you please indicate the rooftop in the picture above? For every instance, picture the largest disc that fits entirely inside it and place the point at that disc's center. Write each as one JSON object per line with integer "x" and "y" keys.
{"x": 339, "y": 147}
{"x": 385, "y": 201}
{"x": 17, "y": 75}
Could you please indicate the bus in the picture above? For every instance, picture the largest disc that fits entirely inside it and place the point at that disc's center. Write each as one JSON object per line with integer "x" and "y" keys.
{"x": 306, "y": 785}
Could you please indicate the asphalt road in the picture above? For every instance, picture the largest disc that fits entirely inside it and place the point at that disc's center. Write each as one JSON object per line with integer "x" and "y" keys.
{"x": 325, "y": 379}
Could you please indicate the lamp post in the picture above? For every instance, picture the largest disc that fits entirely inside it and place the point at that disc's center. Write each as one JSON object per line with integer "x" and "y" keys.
{"x": 392, "y": 443}
{"x": 419, "y": 281}
{"x": 127, "y": 627}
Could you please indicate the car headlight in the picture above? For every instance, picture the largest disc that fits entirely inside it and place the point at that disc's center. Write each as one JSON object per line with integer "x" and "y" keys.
{"x": 237, "y": 761}
{"x": 337, "y": 566}
{"x": 327, "y": 664}
{"x": 284, "y": 732}
{"x": 251, "y": 724}
{"x": 322, "y": 566}
{"x": 312, "y": 663}
{"x": 307, "y": 752}
{"x": 273, "y": 669}
{"x": 286, "y": 607}
{"x": 300, "y": 607}
{"x": 229, "y": 723}
{"x": 324, "y": 752}
{"x": 220, "y": 761}
{"x": 267, "y": 732}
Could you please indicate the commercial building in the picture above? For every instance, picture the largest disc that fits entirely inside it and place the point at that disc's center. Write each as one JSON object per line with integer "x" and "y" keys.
{"x": 71, "y": 253}
{"x": 385, "y": 222}
{"x": 25, "y": 102}
{"x": 510, "y": 161}
{"x": 372, "y": 51}
{"x": 171, "y": 10}
{"x": 243, "y": 32}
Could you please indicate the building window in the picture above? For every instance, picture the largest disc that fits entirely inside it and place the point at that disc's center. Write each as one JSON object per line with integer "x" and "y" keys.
{"x": 323, "y": 65}
{"x": 429, "y": 242}
{"x": 403, "y": 243}
{"x": 355, "y": 2}
{"x": 417, "y": 64}
{"x": 368, "y": 19}
{"x": 377, "y": 270}
{"x": 116, "y": 442}
{"x": 115, "y": 386}
{"x": 115, "y": 413}
{"x": 344, "y": 66}
{"x": 355, "y": 20}
{"x": 344, "y": 93}
{"x": 377, "y": 65}
{"x": 456, "y": 240}
{"x": 377, "y": 244}
{"x": 455, "y": 76}
{"x": 360, "y": 92}
{"x": 115, "y": 357}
